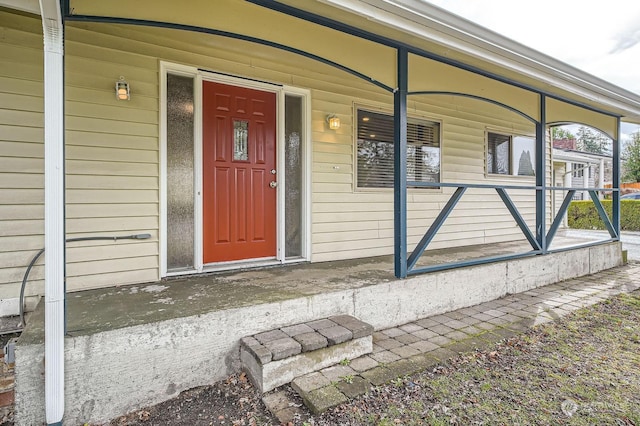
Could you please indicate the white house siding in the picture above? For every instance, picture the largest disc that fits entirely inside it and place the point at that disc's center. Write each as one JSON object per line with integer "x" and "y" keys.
{"x": 113, "y": 153}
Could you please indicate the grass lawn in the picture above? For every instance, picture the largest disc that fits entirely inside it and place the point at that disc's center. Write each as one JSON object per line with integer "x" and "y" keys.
{"x": 583, "y": 369}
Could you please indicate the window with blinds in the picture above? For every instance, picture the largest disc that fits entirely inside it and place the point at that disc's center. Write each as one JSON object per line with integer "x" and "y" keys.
{"x": 375, "y": 150}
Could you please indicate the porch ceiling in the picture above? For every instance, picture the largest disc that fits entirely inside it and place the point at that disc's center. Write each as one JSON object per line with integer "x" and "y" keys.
{"x": 465, "y": 43}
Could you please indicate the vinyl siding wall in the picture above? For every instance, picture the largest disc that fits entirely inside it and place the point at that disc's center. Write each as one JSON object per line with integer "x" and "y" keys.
{"x": 21, "y": 157}
{"x": 112, "y": 151}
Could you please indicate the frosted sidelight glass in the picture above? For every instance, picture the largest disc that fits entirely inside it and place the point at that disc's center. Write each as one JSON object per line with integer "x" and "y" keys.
{"x": 180, "y": 173}
{"x": 293, "y": 176}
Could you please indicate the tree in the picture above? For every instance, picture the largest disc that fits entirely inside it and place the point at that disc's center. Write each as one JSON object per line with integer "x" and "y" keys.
{"x": 594, "y": 142}
{"x": 560, "y": 133}
{"x": 632, "y": 158}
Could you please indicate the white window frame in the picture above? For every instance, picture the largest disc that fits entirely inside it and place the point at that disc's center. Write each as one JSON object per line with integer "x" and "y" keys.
{"x": 281, "y": 91}
{"x": 578, "y": 170}
{"x": 511, "y": 136}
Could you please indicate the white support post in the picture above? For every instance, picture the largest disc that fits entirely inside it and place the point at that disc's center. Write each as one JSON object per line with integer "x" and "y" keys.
{"x": 54, "y": 215}
{"x": 568, "y": 176}
{"x": 585, "y": 180}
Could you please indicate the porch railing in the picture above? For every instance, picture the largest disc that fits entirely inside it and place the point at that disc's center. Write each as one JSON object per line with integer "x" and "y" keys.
{"x": 539, "y": 242}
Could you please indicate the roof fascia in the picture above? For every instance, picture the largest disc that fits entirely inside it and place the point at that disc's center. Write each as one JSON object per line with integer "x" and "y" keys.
{"x": 574, "y": 156}
{"x": 31, "y": 6}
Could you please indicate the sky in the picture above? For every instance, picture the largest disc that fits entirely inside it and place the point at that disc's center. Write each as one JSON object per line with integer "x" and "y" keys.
{"x": 599, "y": 37}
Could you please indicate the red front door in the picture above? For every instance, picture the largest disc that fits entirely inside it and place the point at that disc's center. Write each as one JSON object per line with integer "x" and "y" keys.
{"x": 239, "y": 159}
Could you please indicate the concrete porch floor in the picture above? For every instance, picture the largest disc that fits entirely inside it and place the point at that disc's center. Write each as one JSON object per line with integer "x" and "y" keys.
{"x": 138, "y": 345}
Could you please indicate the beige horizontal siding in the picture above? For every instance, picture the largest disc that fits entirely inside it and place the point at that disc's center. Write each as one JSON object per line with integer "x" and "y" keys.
{"x": 112, "y": 166}
{"x": 21, "y": 158}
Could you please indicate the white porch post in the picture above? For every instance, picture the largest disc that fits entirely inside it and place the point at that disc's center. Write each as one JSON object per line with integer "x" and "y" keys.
{"x": 568, "y": 175}
{"x": 54, "y": 233}
{"x": 585, "y": 180}
{"x": 601, "y": 178}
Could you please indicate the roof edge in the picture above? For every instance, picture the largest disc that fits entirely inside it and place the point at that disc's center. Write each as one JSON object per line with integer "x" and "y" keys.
{"x": 31, "y": 6}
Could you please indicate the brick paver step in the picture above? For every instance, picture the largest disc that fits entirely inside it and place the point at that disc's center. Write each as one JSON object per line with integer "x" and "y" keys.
{"x": 275, "y": 357}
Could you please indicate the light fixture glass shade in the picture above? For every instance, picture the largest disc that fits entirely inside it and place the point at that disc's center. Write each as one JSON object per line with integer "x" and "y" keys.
{"x": 122, "y": 90}
{"x": 334, "y": 122}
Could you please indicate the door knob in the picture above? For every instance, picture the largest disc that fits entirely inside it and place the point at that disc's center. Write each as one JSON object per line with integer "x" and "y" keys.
{"x": 273, "y": 184}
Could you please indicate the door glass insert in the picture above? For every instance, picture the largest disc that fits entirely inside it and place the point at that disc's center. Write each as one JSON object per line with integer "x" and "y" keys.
{"x": 240, "y": 140}
{"x": 293, "y": 175}
{"x": 180, "y": 173}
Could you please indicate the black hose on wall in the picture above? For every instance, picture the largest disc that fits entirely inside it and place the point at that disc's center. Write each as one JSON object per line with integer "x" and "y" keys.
{"x": 23, "y": 323}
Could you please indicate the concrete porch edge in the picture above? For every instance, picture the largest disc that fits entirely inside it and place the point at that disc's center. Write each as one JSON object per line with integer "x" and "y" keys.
{"x": 104, "y": 377}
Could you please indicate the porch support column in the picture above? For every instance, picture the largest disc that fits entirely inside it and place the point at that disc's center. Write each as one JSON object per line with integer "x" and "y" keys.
{"x": 615, "y": 181}
{"x": 54, "y": 232}
{"x": 400, "y": 165}
{"x": 541, "y": 177}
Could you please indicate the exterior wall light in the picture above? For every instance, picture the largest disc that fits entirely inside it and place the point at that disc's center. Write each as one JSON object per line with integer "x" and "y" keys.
{"x": 122, "y": 90}
{"x": 334, "y": 121}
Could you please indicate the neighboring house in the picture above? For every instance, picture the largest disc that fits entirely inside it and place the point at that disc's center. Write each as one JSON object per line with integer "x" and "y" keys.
{"x": 580, "y": 169}
{"x": 233, "y": 134}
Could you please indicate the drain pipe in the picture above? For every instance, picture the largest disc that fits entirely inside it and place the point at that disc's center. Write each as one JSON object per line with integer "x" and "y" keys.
{"x": 53, "y": 34}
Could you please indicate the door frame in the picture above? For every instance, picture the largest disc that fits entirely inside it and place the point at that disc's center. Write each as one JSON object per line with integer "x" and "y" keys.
{"x": 281, "y": 91}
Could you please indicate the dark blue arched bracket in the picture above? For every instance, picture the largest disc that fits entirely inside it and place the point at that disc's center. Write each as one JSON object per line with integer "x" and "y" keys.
{"x": 211, "y": 31}
{"x": 480, "y": 98}
{"x": 568, "y": 123}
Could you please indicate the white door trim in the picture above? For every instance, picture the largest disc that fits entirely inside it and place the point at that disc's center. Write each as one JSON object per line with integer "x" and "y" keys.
{"x": 280, "y": 91}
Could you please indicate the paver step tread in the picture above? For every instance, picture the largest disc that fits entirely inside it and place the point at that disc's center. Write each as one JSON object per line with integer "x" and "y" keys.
{"x": 292, "y": 340}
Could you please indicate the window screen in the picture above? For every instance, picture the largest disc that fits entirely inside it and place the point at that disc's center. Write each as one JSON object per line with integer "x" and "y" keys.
{"x": 375, "y": 150}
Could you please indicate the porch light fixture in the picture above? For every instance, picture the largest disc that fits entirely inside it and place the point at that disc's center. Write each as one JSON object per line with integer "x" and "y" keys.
{"x": 334, "y": 121}
{"x": 122, "y": 90}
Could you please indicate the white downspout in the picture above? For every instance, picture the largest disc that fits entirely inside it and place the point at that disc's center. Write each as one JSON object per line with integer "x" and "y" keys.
{"x": 54, "y": 215}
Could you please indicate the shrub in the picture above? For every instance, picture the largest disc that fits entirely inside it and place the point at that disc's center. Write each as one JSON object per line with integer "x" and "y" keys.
{"x": 583, "y": 215}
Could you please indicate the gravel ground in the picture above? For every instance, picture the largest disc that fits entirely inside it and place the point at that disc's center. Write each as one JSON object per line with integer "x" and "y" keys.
{"x": 579, "y": 370}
